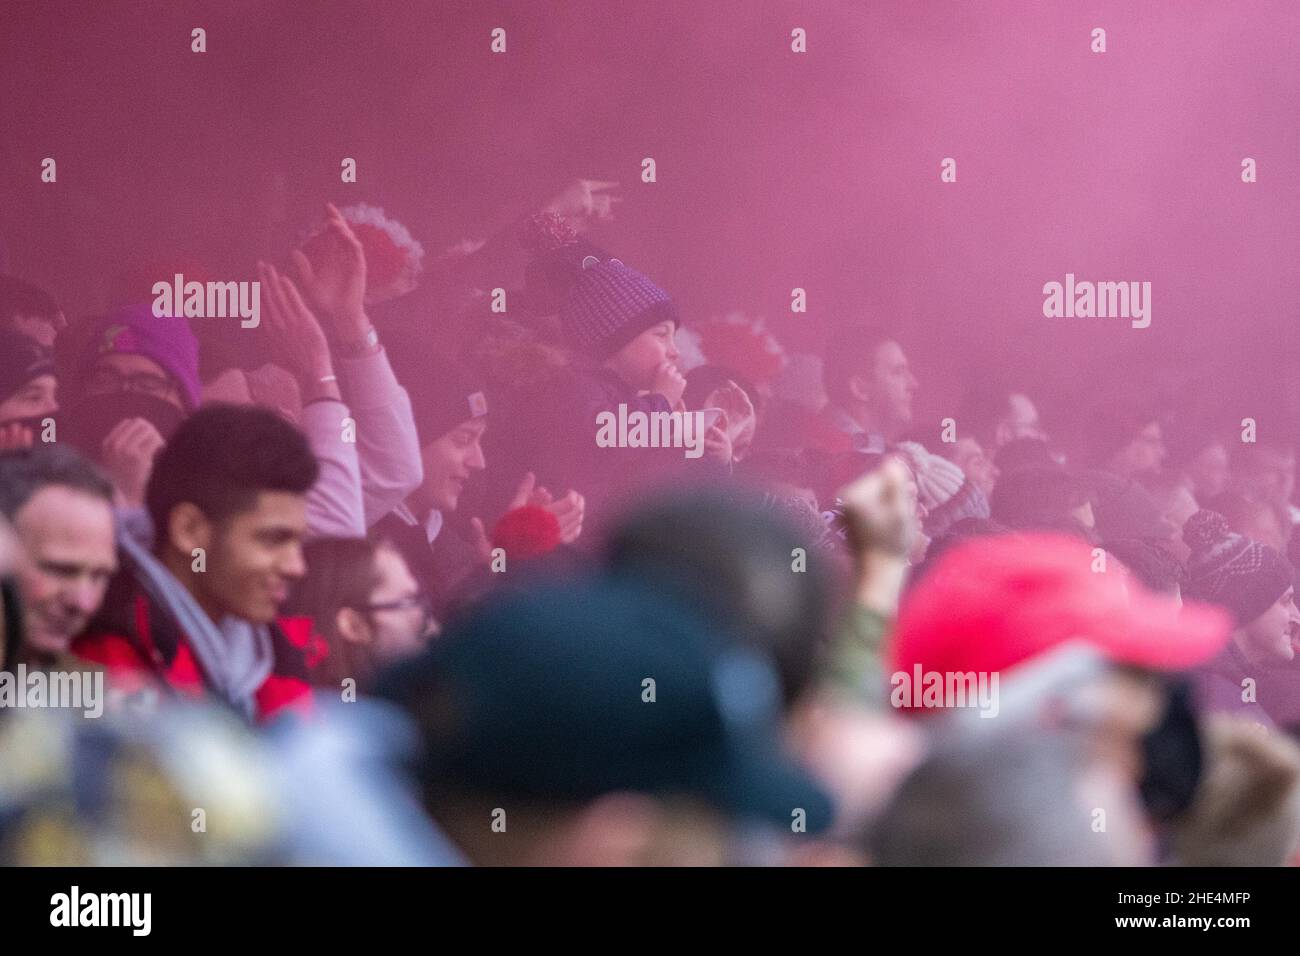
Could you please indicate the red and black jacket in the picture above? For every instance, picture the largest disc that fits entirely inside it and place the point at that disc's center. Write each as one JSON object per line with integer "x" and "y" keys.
{"x": 141, "y": 644}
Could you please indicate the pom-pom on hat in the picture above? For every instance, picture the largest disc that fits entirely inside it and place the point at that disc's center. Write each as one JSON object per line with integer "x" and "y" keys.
{"x": 1233, "y": 571}
{"x": 394, "y": 258}
{"x": 743, "y": 344}
{"x": 556, "y": 254}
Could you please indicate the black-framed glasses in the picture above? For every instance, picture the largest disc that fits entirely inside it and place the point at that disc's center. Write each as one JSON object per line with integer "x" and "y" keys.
{"x": 420, "y": 600}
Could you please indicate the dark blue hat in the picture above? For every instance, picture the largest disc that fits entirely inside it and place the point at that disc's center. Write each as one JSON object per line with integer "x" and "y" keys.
{"x": 566, "y": 692}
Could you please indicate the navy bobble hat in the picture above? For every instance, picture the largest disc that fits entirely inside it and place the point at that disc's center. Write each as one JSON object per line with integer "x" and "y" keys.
{"x": 610, "y": 304}
{"x": 1232, "y": 571}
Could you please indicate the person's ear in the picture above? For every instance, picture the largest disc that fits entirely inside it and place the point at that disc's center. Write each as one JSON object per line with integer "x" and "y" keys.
{"x": 860, "y": 388}
{"x": 189, "y": 528}
{"x": 351, "y": 626}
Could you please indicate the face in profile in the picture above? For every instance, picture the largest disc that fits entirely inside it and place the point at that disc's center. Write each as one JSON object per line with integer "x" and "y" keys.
{"x": 397, "y": 619}
{"x": 637, "y": 362}
{"x": 449, "y": 463}
{"x": 1272, "y": 636}
{"x": 893, "y": 384}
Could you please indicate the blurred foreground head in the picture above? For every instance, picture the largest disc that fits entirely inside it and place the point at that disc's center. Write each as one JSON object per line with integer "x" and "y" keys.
{"x": 734, "y": 559}
{"x": 123, "y": 791}
{"x": 596, "y": 723}
{"x": 1043, "y": 784}
{"x": 995, "y": 612}
{"x": 1247, "y": 810}
{"x": 198, "y": 787}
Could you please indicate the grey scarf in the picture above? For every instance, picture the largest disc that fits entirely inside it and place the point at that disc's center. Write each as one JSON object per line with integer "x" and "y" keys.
{"x": 236, "y": 657}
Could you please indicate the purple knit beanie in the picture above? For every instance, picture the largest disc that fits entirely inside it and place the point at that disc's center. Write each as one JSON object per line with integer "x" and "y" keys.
{"x": 609, "y": 305}
{"x": 134, "y": 330}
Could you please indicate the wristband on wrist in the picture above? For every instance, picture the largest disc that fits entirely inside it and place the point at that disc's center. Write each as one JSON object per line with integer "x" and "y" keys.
{"x": 322, "y": 398}
{"x": 367, "y": 344}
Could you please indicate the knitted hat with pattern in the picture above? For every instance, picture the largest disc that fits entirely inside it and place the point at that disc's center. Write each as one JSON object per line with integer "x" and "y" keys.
{"x": 1227, "y": 569}
{"x": 609, "y": 305}
{"x": 943, "y": 488}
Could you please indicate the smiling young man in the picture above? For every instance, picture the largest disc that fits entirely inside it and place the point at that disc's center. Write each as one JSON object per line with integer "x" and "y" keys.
{"x": 201, "y": 615}
{"x": 450, "y": 410}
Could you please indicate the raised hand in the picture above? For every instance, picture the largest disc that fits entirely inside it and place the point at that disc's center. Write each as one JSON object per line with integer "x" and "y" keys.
{"x": 881, "y": 510}
{"x": 586, "y": 201}
{"x": 525, "y": 493}
{"x": 741, "y": 419}
{"x": 127, "y": 454}
{"x": 717, "y": 443}
{"x": 294, "y": 336}
{"x": 332, "y": 268}
{"x": 569, "y": 511}
{"x": 479, "y": 540}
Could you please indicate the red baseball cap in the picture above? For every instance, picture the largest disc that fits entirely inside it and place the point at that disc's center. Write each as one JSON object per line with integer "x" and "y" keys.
{"x": 992, "y": 603}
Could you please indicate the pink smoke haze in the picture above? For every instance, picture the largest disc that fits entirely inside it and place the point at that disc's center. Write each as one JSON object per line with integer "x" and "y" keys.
{"x": 774, "y": 170}
{"x": 374, "y": 363}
